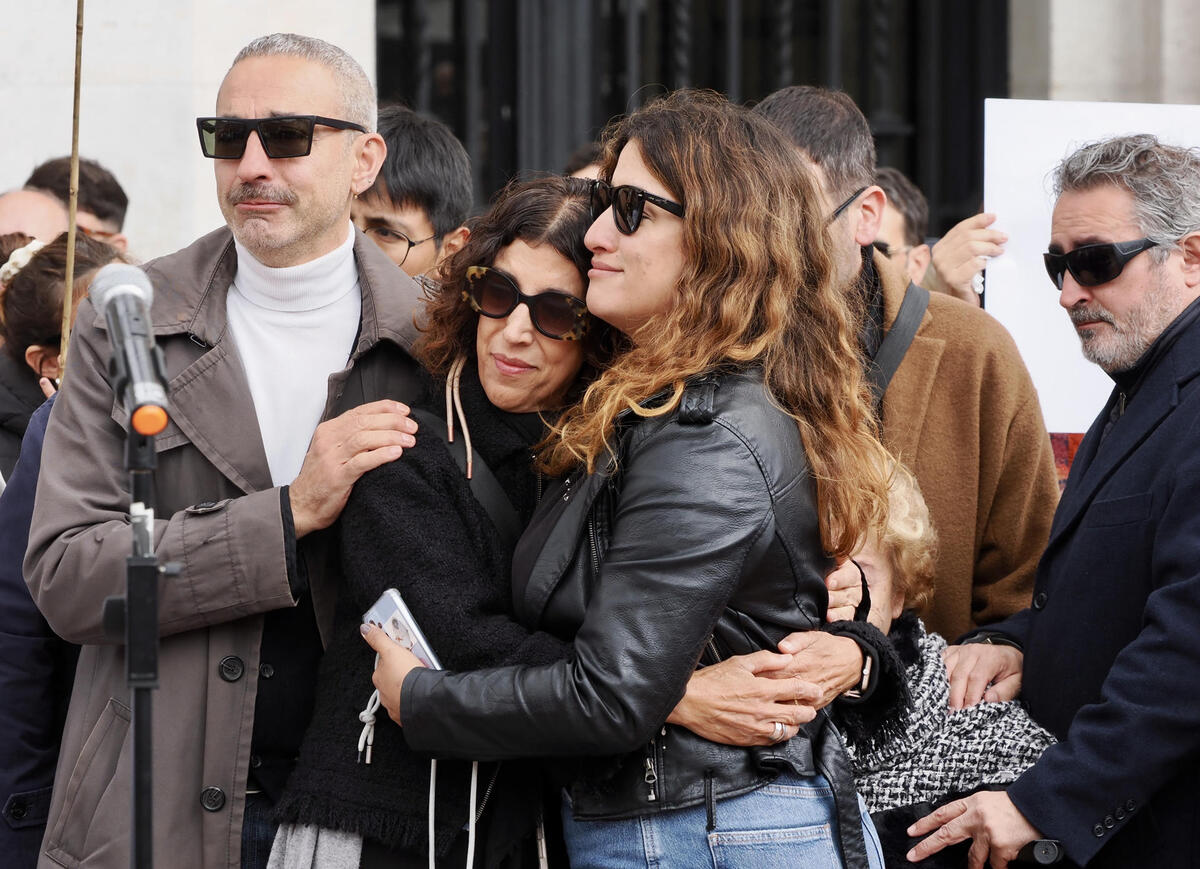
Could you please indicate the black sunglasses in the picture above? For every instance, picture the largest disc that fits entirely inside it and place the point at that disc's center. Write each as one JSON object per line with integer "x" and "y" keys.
{"x": 492, "y": 293}
{"x": 1094, "y": 264}
{"x": 283, "y": 136}
{"x": 837, "y": 212}
{"x": 628, "y": 203}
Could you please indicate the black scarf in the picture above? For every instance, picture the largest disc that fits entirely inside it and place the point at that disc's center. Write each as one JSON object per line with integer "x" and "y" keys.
{"x": 423, "y": 506}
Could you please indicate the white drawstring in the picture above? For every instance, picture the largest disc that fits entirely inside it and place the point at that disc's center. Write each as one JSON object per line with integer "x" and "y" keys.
{"x": 366, "y": 739}
{"x": 454, "y": 406}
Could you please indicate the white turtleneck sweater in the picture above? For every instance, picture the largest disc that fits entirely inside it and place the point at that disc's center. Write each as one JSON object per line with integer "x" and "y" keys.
{"x": 293, "y": 327}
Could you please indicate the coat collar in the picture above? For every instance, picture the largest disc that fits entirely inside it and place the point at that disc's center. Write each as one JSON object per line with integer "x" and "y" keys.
{"x": 907, "y": 399}
{"x": 190, "y": 292}
{"x": 1157, "y": 397}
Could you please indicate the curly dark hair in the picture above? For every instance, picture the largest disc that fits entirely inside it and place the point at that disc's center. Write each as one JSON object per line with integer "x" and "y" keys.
{"x": 550, "y": 209}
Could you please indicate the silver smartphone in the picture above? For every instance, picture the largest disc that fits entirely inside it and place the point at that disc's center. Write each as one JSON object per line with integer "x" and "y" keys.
{"x": 390, "y": 614}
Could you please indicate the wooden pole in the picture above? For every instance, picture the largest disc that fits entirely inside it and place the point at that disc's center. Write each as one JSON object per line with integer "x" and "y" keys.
{"x": 72, "y": 199}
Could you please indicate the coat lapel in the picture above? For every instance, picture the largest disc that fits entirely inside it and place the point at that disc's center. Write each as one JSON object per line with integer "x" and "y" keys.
{"x": 209, "y": 396}
{"x": 1156, "y": 398}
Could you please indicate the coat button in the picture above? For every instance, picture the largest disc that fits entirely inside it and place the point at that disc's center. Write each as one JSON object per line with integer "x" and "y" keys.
{"x": 213, "y": 799}
{"x": 1098, "y": 831}
{"x": 266, "y": 671}
{"x": 1120, "y": 813}
{"x": 231, "y": 668}
{"x": 1110, "y": 822}
{"x": 18, "y": 810}
{"x": 1039, "y": 600}
{"x": 255, "y": 761}
{"x": 1130, "y": 805}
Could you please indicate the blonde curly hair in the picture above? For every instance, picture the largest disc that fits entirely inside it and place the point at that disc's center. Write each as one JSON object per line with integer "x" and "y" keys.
{"x": 909, "y": 540}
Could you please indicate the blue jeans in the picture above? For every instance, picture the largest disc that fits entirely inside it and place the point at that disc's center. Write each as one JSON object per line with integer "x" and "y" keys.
{"x": 786, "y": 824}
{"x": 258, "y": 831}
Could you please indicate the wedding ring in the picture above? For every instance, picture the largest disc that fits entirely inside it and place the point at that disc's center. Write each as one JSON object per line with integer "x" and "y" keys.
{"x": 777, "y": 733}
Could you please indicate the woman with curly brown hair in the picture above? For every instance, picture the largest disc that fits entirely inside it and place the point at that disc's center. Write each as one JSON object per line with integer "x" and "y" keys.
{"x": 508, "y": 341}
{"x": 704, "y": 469}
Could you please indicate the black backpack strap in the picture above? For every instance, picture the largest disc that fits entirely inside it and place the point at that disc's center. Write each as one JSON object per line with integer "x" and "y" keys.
{"x": 897, "y": 340}
{"x": 484, "y": 485}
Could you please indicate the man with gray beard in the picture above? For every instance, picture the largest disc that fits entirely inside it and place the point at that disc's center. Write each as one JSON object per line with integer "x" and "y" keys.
{"x": 1112, "y": 641}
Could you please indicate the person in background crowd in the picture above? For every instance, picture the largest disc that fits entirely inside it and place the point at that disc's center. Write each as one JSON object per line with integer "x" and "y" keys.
{"x": 101, "y": 204}
{"x": 35, "y": 682}
{"x": 931, "y": 753}
{"x": 904, "y": 224}
{"x": 961, "y": 411}
{"x": 1111, "y": 648}
{"x": 285, "y": 336}
{"x": 32, "y": 275}
{"x": 417, "y": 206}
{"x": 32, "y": 212}
{"x": 958, "y": 258}
{"x": 736, "y": 401}
{"x": 584, "y": 161}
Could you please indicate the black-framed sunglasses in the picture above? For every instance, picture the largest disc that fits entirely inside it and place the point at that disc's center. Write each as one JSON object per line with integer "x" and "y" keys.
{"x": 281, "y": 137}
{"x": 837, "y": 212}
{"x": 492, "y": 293}
{"x": 628, "y": 203}
{"x": 1094, "y": 264}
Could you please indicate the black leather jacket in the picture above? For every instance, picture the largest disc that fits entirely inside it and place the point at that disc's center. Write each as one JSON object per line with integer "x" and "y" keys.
{"x": 700, "y": 540}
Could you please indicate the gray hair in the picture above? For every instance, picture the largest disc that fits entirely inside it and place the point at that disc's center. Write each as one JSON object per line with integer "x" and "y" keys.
{"x": 1164, "y": 181}
{"x": 358, "y": 94}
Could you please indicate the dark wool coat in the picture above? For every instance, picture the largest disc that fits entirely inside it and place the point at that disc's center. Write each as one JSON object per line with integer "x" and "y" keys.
{"x": 415, "y": 526}
{"x": 36, "y": 674}
{"x": 1112, "y": 642}
{"x": 20, "y": 396}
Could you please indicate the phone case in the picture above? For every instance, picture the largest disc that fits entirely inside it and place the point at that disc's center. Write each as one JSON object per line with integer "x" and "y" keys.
{"x": 391, "y": 614}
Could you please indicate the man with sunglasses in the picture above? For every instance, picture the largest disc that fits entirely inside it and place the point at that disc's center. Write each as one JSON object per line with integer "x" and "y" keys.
{"x": 285, "y": 339}
{"x": 960, "y": 409}
{"x": 1112, "y": 641}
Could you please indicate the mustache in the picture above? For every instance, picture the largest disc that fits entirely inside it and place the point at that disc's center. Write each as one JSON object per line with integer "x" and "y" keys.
{"x": 1090, "y": 314}
{"x": 244, "y": 192}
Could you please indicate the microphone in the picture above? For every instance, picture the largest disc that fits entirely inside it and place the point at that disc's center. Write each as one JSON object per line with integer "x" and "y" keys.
{"x": 122, "y": 293}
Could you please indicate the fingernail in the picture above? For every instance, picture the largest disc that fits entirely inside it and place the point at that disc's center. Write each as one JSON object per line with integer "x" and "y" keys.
{"x": 408, "y": 441}
{"x": 364, "y": 628}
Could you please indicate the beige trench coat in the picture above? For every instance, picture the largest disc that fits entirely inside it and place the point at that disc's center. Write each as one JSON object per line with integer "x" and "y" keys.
{"x": 220, "y": 519}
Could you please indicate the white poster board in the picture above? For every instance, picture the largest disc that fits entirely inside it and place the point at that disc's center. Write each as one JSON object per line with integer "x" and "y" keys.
{"x": 1023, "y": 141}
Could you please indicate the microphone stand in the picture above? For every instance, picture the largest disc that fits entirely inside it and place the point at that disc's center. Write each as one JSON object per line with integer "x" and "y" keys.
{"x": 135, "y": 618}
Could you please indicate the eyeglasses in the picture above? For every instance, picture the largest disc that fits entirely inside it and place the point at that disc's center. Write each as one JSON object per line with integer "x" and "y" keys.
{"x": 1094, "y": 264}
{"x": 837, "y": 212}
{"x": 281, "y": 137}
{"x": 628, "y": 203}
{"x": 386, "y": 236}
{"x": 492, "y": 293}
{"x": 888, "y": 251}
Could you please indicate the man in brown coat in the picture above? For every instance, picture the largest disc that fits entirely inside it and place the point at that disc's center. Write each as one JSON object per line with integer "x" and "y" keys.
{"x": 286, "y": 338}
{"x": 961, "y": 410}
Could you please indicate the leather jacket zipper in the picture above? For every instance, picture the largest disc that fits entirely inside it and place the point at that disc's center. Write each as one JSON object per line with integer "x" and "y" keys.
{"x": 651, "y": 775}
{"x": 594, "y": 545}
{"x": 487, "y": 794}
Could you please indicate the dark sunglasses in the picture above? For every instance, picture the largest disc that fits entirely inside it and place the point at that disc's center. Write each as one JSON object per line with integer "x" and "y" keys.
{"x": 492, "y": 293}
{"x": 628, "y": 203}
{"x": 284, "y": 136}
{"x": 1094, "y": 264}
{"x": 837, "y": 212}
